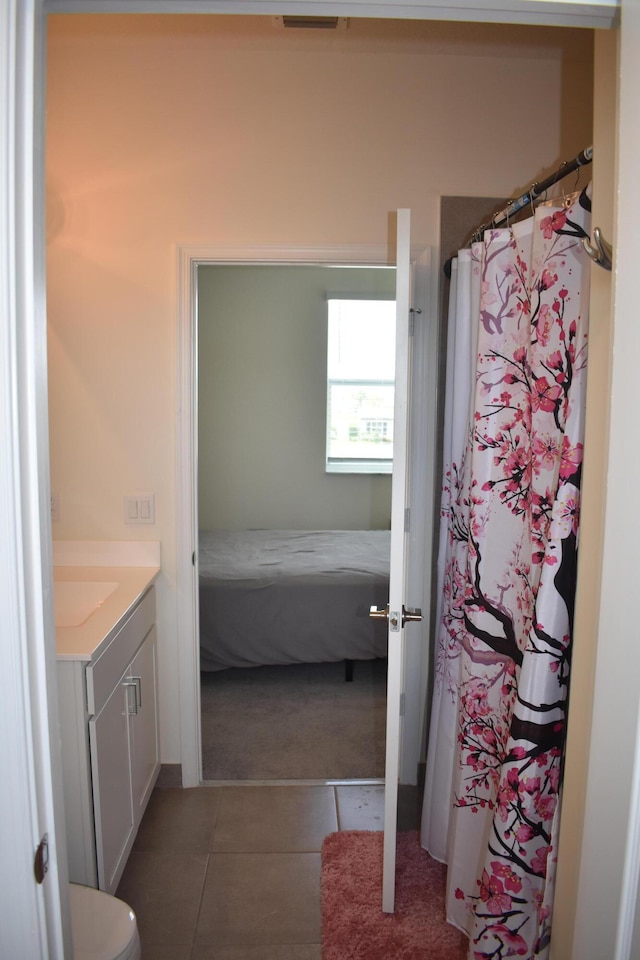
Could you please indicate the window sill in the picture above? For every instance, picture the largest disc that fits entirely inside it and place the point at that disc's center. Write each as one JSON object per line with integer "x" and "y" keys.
{"x": 360, "y": 466}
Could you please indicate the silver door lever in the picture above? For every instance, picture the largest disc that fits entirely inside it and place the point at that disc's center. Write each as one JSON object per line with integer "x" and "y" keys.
{"x": 407, "y": 615}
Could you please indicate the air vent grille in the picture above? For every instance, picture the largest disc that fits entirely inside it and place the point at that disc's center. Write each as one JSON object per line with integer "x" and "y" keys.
{"x": 311, "y": 23}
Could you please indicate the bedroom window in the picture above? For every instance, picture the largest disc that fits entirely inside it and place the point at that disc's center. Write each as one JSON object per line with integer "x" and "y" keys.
{"x": 360, "y": 385}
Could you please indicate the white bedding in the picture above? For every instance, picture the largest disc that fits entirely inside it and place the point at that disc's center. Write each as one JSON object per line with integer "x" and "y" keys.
{"x": 291, "y": 596}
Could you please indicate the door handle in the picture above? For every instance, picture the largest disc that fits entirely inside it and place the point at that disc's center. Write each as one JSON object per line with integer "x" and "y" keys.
{"x": 413, "y": 616}
{"x": 376, "y": 614}
{"x": 391, "y": 616}
{"x": 132, "y": 709}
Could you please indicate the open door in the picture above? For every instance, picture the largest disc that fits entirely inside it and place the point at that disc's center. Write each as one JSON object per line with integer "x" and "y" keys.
{"x": 395, "y": 614}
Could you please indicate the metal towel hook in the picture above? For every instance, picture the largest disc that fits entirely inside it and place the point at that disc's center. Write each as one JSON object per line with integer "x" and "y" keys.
{"x": 602, "y": 252}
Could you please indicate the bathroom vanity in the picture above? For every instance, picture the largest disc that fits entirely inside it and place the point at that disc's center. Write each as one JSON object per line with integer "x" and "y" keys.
{"x": 107, "y": 690}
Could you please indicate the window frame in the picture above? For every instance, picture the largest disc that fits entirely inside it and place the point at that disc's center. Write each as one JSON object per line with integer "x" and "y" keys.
{"x": 372, "y": 466}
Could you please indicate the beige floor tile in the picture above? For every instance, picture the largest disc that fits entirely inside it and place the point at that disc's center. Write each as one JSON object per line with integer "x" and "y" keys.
{"x": 164, "y": 891}
{"x": 261, "y": 898}
{"x": 289, "y": 951}
{"x": 360, "y": 807}
{"x": 277, "y": 819}
{"x": 179, "y": 820}
{"x": 166, "y": 951}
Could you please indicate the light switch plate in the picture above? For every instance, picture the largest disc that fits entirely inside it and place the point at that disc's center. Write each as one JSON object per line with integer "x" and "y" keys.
{"x": 140, "y": 508}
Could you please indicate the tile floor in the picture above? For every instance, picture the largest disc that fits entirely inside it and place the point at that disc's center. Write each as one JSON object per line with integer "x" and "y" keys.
{"x": 233, "y": 872}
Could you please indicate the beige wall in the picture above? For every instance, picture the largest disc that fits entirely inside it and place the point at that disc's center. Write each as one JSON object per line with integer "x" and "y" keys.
{"x": 593, "y": 507}
{"x": 225, "y": 131}
{"x": 262, "y": 386}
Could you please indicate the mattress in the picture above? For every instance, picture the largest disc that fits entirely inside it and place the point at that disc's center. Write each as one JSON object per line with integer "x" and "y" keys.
{"x": 291, "y": 596}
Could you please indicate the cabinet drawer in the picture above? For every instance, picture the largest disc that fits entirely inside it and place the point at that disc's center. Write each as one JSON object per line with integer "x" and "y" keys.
{"x": 104, "y": 674}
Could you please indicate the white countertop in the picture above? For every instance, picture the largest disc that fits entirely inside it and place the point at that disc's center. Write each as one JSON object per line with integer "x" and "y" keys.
{"x": 86, "y": 641}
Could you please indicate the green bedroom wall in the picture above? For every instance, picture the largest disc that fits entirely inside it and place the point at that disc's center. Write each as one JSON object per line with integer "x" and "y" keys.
{"x": 262, "y": 398}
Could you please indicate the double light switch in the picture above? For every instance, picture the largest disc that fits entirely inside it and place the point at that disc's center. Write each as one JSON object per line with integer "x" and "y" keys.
{"x": 140, "y": 508}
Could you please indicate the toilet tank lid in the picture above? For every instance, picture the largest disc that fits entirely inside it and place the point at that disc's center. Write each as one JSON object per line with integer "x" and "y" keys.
{"x": 103, "y": 926}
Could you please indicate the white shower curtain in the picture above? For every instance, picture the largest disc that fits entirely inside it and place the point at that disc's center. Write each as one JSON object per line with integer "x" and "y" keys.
{"x": 514, "y": 406}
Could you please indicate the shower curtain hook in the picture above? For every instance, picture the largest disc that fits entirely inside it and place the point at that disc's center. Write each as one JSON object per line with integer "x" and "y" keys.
{"x": 568, "y": 198}
{"x": 507, "y": 215}
{"x": 561, "y": 176}
{"x": 478, "y": 234}
{"x": 536, "y": 195}
{"x": 576, "y": 184}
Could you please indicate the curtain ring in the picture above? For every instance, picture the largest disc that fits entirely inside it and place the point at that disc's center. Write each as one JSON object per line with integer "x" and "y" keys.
{"x": 479, "y": 233}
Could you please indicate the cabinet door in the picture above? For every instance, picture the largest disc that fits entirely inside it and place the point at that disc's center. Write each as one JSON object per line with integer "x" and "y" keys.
{"x": 110, "y": 769}
{"x": 143, "y": 725}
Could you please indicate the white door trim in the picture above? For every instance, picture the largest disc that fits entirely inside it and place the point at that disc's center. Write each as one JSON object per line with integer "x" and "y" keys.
{"x": 34, "y": 916}
{"x": 423, "y": 505}
{"x": 398, "y": 573}
{"x": 557, "y": 13}
{"x": 190, "y": 257}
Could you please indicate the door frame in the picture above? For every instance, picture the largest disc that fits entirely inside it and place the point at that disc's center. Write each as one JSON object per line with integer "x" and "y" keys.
{"x": 599, "y": 14}
{"x": 35, "y": 915}
{"x": 25, "y": 112}
{"x": 190, "y": 258}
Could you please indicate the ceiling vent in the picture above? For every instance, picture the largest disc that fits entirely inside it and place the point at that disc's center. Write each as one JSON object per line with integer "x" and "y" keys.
{"x": 311, "y": 23}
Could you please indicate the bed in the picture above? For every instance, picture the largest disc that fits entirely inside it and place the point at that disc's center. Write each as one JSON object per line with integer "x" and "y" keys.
{"x": 291, "y": 596}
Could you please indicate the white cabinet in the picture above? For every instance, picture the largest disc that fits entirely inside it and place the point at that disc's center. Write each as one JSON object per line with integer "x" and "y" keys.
{"x": 143, "y": 726}
{"x": 109, "y": 722}
{"x": 109, "y": 742}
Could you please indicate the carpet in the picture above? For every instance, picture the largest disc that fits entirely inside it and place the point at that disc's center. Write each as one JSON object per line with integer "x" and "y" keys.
{"x": 353, "y": 924}
{"x": 297, "y": 722}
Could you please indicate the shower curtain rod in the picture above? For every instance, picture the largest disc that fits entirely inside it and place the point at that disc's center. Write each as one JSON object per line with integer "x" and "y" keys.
{"x": 535, "y": 190}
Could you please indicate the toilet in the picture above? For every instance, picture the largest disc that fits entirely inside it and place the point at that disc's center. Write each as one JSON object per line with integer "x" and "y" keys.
{"x": 103, "y": 927}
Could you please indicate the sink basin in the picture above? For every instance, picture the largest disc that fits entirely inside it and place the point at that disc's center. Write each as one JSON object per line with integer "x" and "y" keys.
{"x": 75, "y": 600}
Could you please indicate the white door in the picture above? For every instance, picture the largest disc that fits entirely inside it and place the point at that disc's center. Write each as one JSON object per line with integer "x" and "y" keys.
{"x": 395, "y": 614}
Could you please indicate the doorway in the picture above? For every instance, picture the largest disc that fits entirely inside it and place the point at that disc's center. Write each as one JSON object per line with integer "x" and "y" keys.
{"x": 198, "y": 234}
{"x": 291, "y": 555}
{"x": 421, "y": 474}
{"x": 422, "y": 443}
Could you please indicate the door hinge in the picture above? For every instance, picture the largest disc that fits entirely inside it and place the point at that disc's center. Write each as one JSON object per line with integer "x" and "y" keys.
{"x": 41, "y": 859}
{"x": 193, "y": 558}
{"x": 407, "y": 519}
{"x": 403, "y": 700}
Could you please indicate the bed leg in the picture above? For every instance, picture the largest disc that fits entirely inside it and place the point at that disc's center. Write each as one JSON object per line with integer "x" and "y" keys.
{"x": 348, "y": 671}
